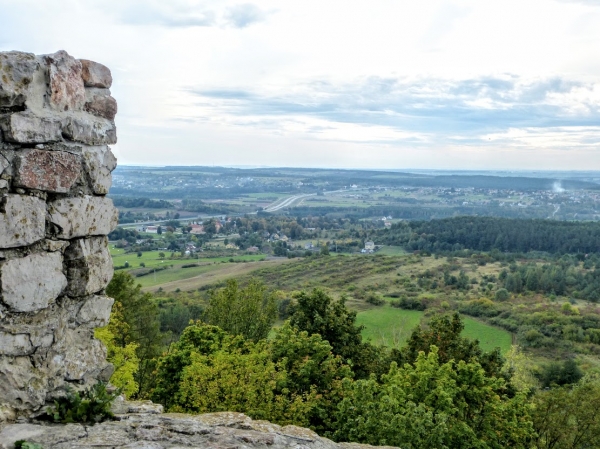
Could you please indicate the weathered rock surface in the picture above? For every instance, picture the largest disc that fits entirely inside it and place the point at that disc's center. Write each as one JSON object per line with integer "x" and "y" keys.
{"x": 52, "y": 171}
{"x": 95, "y": 74}
{"x": 67, "y": 91}
{"x": 95, "y": 311}
{"x": 83, "y": 216}
{"x": 16, "y": 74}
{"x": 90, "y": 130}
{"x": 169, "y": 431}
{"x": 89, "y": 266}
{"x": 30, "y": 283}
{"x": 22, "y": 220}
{"x": 27, "y": 128}
{"x": 99, "y": 162}
{"x": 100, "y": 103}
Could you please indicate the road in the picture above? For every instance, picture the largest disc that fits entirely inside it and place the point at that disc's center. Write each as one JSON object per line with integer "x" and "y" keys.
{"x": 277, "y": 205}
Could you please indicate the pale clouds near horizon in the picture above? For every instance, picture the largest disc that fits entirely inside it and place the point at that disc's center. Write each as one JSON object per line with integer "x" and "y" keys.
{"x": 379, "y": 83}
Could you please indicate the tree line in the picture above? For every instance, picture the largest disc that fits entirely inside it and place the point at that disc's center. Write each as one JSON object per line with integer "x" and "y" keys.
{"x": 492, "y": 233}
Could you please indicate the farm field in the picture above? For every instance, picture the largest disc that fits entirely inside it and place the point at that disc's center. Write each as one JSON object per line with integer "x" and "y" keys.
{"x": 189, "y": 279}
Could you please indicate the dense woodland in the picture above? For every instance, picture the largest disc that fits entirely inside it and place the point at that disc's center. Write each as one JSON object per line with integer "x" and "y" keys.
{"x": 493, "y": 233}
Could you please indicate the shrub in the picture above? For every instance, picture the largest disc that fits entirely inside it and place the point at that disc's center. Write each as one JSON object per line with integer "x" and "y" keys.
{"x": 91, "y": 406}
{"x": 502, "y": 295}
{"x": 372, "y": 298}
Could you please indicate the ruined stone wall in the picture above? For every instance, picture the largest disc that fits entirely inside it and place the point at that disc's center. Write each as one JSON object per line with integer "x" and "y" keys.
{"x": 56, "y": 122}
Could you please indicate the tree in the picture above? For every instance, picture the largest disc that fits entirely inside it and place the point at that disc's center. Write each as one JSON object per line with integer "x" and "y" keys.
{"x": 433, "y": 404}
{"x": 159, "y": 230}
{"x": 249, "y": 311}
{"x": 208, "y": 370}
{"x": 312, "y": 370}
{"x": 445, "y": 334}
{"x": 141, "y": 315}
{"x": 568, "y": 417}
{"x": 240, "y": 380}
{"x": 124, "y": 358}
{"x": 318, "y": 313}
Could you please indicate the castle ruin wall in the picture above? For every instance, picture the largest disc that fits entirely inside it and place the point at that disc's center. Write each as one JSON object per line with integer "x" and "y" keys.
{"x": 56, "y": 125}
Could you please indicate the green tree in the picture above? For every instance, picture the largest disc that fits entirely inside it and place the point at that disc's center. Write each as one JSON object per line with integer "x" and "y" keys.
{"x": 197, "y": 338}
{"x": 311, "y": 368}
{"x": 124, "y": 359}
{"x": 242, "y": 380}
{"x": 445, "y": 333}
{"x": 568, "y": 417}
{"x": 432, "y": 404}
{"x": 318, "y": 313}
{"x": 141, "y": 316}
{"x": 249, "y": 311}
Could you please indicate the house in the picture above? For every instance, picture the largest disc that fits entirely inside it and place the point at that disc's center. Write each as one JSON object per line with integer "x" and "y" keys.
{"x": 369, "y": 246}
{"x": 308, "y": 245}
{"x": 387, "y": 224}
{"x": 231, "y": 246}
{"x": 152, "y": 229}
{"x": 253, "y": 249}
{"x": 197, "y": 229}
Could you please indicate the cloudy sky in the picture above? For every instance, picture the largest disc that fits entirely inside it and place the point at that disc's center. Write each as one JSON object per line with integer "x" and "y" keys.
{"x": 470, "y": 84}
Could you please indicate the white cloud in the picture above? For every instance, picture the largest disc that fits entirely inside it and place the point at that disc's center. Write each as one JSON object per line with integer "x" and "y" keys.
{"x": 406, "y": 83}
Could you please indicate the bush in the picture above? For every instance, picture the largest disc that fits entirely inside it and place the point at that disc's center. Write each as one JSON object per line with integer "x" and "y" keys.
{"x": 92, "y": 406}
{"x": 372, "y": 298}
{"x": 502, "y": 295}
{"x": 22, "y": 444}
{"x": 409, "y": 304}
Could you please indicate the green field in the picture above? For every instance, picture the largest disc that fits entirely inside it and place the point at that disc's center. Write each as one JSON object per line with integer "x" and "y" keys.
{"x": 387, "y": 325}
{"x": 489, "y": 337}
{"x": 152, "y": 259}
{"x": 390, "y": 326}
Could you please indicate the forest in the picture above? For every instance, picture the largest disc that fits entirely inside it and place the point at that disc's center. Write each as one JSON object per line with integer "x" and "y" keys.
{"x": 493, "y": 233}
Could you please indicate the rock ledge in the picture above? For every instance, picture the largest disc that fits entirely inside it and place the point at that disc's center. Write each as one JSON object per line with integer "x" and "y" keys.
{"x": 149, "y": 429}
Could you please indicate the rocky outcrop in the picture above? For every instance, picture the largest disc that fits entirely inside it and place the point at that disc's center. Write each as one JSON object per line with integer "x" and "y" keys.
{"x": 145, "y": 428}
{"x": 56, "y": 122}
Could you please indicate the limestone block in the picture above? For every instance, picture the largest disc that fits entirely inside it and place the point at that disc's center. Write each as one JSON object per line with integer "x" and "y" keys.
{"x": 53, "y": 171}
{"x": 29, "y": 283}
{"x": 83, "y": 216}
{"x": 89, "y": 267}
{"x": 26, "y": 127}
{"x": 78, "y": 355}
{"x": 99, "y": 162}
{"x": 15, "y": 345}
{"x": 90, "y": 130}
{"x": 67, "y": 92}
{"x": 16, "y": 74}
{"x": 96, "y": 311}
{"x": 95, "y": 74}
{"x": 22, "y": 220}
{"x": 100, "y": 103}
{"x": 17, "y": 375}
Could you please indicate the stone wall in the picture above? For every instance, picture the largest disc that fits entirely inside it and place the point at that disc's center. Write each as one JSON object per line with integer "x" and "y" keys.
{"x": 56, "y": 122}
